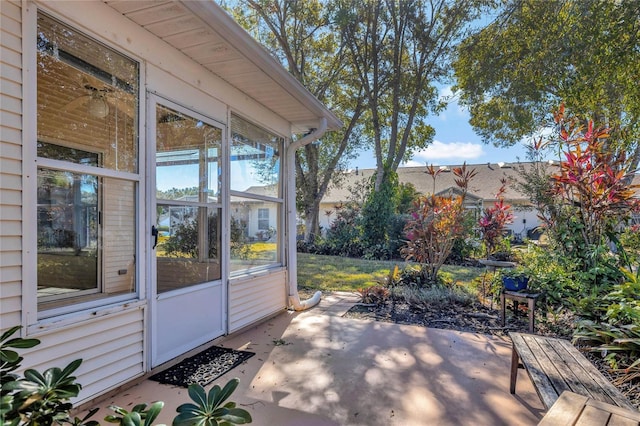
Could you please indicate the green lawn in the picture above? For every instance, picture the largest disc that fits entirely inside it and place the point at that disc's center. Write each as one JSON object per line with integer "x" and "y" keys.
{"x": 332, "y": 273}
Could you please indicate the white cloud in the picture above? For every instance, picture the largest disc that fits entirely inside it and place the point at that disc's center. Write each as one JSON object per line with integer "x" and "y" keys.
{"x": 453, "y": 107}
{"x": 451, "y": 152}
{"x": 446, "y": 92}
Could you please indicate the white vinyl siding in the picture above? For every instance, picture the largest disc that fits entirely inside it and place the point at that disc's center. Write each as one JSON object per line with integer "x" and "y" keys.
{"x": 110, "y": 339}
{"x": 112, "y": 335}
{"x": 113, "y": 358}
{"x": 11, "y": 160}
{"x": 255, "y": 298}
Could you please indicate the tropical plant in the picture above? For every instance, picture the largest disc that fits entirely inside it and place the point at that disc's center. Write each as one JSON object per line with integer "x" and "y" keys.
{"x": 37, "y": 398}
{"x": 583, "y": 203}
{"x": 435, "y": 224}
{"x": 376, "y": 294}
{"x": 593, "y": 178}
{"x": 494, "y": 220}
{"x": 620, "y": 345}
{"x": 138, "y": 416}
{"x": 617, "y": 334}
{"x": 208, "y": 409}
{"x": 43, "y": 399}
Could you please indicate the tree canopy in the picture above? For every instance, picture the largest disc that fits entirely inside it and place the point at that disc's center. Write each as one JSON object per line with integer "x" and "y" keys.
{"x": 536, "y": 54}
{"x": 399, "y": 51}
{"x": 303, "y": 37}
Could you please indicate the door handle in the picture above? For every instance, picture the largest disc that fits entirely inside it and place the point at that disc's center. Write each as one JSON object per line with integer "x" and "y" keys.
{"x": 154, "y": 233}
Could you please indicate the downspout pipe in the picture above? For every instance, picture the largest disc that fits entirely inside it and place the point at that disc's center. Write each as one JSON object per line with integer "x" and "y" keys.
{"x": 292, "y": 261}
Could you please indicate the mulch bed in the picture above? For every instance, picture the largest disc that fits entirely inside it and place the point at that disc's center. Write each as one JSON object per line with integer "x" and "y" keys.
{"x": 478, "y": 318}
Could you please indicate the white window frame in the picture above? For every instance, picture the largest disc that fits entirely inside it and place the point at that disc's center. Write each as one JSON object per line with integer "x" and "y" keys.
{"x": 155, "y": 100}
{"x": 279, "y": 200}
{"x": 261, "y": 219}
{"x": 32, "y": 320}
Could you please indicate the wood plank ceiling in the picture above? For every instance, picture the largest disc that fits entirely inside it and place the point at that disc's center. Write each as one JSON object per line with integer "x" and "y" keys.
{"x": 205, "y": 33}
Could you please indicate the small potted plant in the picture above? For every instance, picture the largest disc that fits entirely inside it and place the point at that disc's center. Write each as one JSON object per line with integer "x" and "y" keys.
{"x": 514, "y": 281}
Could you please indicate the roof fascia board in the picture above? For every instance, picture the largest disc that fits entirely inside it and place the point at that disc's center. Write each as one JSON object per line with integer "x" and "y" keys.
{"x": 219, "y": 21}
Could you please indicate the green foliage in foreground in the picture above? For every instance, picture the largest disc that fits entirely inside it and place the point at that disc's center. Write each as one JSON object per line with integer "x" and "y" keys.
{"x": 44, "y": 399}
{"x": 332, "y": 273}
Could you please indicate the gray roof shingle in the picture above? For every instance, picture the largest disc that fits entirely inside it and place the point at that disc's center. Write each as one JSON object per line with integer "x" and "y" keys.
{"x": 484, "y": 185}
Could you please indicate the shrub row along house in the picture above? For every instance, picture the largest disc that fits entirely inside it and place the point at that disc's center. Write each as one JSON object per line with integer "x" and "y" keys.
{"x": 481, "y": 192}
{"x": 138, "y": 142}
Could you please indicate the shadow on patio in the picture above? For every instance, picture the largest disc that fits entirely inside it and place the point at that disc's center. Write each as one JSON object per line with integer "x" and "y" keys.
{"x": 317, "y": 368}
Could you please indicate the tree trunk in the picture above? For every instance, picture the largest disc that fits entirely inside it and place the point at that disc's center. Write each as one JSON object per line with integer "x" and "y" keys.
{"x": 312, "y": 222}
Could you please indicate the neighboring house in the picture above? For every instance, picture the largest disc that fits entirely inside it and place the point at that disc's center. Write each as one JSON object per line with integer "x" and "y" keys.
{"x": 481, "y": 193}
{"x": 113, "y": 115}
{"x": 258, "y": 219}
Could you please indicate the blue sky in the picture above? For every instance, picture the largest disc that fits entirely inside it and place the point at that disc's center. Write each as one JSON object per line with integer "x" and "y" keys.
{"x": 455, "y": 142}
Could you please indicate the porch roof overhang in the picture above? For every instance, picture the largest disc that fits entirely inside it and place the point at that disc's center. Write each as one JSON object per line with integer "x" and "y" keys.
{"x": 205, "y": 33}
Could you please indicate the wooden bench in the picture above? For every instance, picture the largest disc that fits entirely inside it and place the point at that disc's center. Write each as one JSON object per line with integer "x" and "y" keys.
{"x": 574, "y": 409}
{"x": 555, "y": 366}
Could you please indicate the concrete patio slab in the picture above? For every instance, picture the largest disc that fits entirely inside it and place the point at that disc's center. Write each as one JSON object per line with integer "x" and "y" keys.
{"x": 317, "y": 368}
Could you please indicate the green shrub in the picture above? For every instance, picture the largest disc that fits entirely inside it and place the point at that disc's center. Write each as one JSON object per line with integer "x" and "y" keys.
{"x": 379, "y": 207}
{"x": 184, "y": 241}
{"x": 548, "y": 274}
{"x": 343, "y": 237}
{"x": 630, "y": 241}
{"x": 436, "y": 296}
{"x": 397, "y": 238}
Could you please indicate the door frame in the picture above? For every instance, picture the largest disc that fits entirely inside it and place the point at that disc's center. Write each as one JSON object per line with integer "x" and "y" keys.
{"x": 153, "y": 358}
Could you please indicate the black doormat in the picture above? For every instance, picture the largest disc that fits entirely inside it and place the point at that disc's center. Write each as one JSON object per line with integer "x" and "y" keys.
{"x": 202, "y": 368}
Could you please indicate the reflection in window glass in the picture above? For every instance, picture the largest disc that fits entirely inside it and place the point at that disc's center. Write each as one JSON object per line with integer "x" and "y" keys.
{"x": 263, "y": 219}
{"x": 187, "y": 158}
{"x": 87, "y": 98}
{"x": 256, "y": 203}
{"x": 252, "y": 246}
{"x": 67, "y": 233}
{"x": 86, "y": 236}
{"x": 87, "y": 119}
{"x": 63, "y": 153}
{"x": 255, "y": 159}
{"x": 188, "y": 246}
{"x": 187, "y": 199}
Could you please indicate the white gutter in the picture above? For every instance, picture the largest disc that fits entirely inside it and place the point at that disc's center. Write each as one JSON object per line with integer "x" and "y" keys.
{"x": 292, "y": 261}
